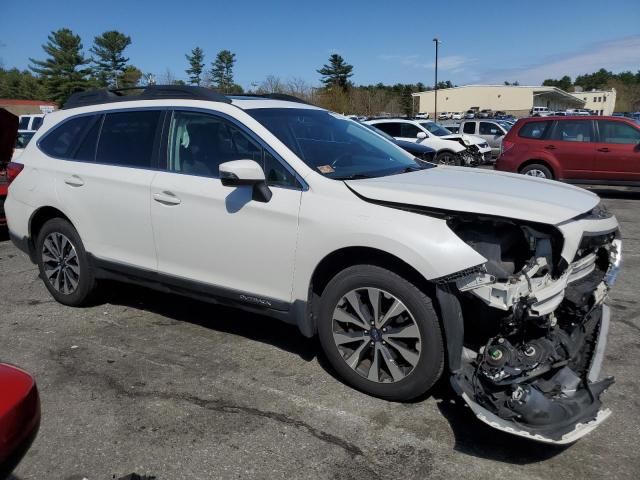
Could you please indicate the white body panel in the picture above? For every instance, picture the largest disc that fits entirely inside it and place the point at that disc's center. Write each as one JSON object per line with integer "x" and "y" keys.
{"x": 218, "y": 235}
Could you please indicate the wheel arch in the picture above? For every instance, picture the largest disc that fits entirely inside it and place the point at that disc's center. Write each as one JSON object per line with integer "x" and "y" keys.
{"x": 38, "y": 219}
{"x": 444, "y": 300}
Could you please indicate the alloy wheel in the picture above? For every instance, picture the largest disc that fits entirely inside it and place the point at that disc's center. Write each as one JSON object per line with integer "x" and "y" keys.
{"x": 534, "y": 172}
{"x": 376, "y": 335}
{"x": 60, "y": 262}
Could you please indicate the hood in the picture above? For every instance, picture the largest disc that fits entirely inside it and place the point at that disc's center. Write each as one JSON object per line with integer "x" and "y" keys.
{"x": 468, "y": 139}
{"x": 481, "y": 191}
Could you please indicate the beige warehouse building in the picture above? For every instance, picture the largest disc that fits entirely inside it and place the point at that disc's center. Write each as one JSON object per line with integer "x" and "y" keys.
{"x": 603, "y": 102}
{"x": 514, "y": 99}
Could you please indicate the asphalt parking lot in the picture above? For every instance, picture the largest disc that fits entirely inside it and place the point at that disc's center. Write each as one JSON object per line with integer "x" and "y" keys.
{"x": 166, "y": 386}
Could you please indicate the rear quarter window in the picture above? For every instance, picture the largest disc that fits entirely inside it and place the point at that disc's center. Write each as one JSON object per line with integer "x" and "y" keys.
{"x": 66, "y": 139}
{"x": 534, "y": 130}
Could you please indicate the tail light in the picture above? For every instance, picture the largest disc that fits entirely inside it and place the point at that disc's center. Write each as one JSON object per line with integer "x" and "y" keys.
{"x": 13, "y": 170}
{"x": 506, "y": 146}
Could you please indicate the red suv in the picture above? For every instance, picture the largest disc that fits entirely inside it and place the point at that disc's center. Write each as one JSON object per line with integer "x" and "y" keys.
{"x": 590, "y": 149}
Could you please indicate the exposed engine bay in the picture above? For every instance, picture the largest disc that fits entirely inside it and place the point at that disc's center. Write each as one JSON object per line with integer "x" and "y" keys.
{"x": 534, "y": 327}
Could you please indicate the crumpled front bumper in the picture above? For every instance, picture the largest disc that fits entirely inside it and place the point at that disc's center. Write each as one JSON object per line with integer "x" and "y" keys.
{"x": 559, "y": 436}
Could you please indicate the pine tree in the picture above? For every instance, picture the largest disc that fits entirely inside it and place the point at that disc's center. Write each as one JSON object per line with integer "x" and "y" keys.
{"x": 196, "y": 60}
{"x": 110, "y": 63}
{"x": 64, "y": 72}
{"x": 222, "y": 71}
{"x": 337, "y": 73}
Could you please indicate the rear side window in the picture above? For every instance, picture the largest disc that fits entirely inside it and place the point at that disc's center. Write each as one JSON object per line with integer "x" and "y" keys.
{"x": 65, "y": 139}
{"x": 618, "y": 132}
{"x": 488, "y": 128}
{"x": 392, "y": 129}
{"x": 24, "y": 123}
{"x": 573, "y": 131}
{"x": 535, "y": 130}
{"x": 37, "y": 122}
{"x": 127, "y": 138}
{"x": 469, "y": 127}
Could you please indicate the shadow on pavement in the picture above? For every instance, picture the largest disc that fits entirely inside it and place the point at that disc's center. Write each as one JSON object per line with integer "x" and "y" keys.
{"x": 614, "y": 193}
{"x": 472, "y": 436}
{"x": 224, "y": 319}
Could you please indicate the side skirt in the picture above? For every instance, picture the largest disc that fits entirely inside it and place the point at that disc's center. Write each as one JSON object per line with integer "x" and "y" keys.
{"x": 109, "y": 270}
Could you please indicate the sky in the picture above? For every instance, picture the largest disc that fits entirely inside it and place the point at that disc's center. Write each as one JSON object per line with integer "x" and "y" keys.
{"x": 385, "y": 41}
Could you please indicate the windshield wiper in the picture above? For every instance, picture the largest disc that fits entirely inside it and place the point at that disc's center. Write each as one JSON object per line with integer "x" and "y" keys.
{"x": 355, "y": 176}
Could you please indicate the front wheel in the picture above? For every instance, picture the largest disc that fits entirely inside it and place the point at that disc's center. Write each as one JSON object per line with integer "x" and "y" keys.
{"x": 537, "y": 170}
{"x": 63, "y": 263}
{"x": 380, "y": 333}
{"x": 449, "y": 158}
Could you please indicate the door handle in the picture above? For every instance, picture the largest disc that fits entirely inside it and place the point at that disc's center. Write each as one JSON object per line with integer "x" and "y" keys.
{"x": 74, "y": 181}
{"x": 166, "y": 198}
{"x": 603, "y": 149}
{"x": 550, "y": 147}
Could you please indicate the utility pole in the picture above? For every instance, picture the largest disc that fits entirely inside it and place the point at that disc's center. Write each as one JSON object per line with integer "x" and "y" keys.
{"x": 435, "y": 114}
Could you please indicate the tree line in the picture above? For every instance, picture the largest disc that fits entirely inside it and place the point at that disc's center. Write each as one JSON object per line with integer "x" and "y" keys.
{"x": 67, "y": 68}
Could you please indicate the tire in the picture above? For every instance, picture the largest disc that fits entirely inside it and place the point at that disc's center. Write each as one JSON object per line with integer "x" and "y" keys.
{"x": 415, "y": 331}
{"x": 537, "y": 170}
{"x": 74, "y": 282}
{"x": 448, "y": 158}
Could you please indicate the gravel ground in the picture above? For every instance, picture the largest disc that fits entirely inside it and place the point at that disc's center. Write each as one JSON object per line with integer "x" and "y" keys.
{"x": 161, "y": 385}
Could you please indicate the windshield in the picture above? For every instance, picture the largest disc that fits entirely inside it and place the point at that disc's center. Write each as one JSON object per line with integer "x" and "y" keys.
{"x": 335, "y": 146}
{"x": 506, "y": 125}
{"x": 436, "y": 129}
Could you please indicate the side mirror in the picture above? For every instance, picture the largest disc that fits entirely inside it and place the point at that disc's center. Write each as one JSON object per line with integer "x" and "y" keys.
{"x": 246, "y": 172}
{"x": 421, "y": 136}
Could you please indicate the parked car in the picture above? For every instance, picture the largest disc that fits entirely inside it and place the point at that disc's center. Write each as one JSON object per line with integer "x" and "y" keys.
{"x": 31, "y": 122}
{"x": 444, "y": 115}
{"x": 581, "y": 112}
{"x": 8, "y": 132}
{"x": 402, "y": 268}
{"x": 540, "y": 112}
{"x": 19, "y": 416}
{"x": 418, "y": 150}
{"x": 486, "y": 113}
{"x": 492, "y": 131}
{"x": 456, "y": 116}
{"x": 439, "y": 138}
{"x": 422, "y": 115}
{"x": 22, "y": 139}
{"x": 592, "y": 150}
{"x": 470, "y": 114}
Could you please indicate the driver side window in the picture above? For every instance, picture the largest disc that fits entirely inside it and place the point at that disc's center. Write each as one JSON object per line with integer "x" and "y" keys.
{"x": 199, "y": 143}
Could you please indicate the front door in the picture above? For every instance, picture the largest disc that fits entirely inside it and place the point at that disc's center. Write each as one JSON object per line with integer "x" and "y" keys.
{"x": 218, "y": 236}
{"x": 617, "y": 152}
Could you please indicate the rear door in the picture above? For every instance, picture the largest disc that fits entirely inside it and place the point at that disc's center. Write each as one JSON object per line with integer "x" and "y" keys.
{"x": 572, "y": 143}
{"x": 617, "y": 151}
{"x": 103, "y": 181}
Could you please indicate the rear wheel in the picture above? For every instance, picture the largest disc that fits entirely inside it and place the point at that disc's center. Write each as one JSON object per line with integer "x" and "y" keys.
{"x": 537, "y": 170}
{"x": 448, "y": 158}
{"x": 380, "y": 333}
{"x": 62, "y": 260}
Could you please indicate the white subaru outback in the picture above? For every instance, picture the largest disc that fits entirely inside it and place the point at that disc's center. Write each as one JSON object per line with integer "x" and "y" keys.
{"x": 404, "y": 269}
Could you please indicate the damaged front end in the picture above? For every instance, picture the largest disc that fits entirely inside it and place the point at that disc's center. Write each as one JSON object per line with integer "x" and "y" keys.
{"x": 526, "y": 330}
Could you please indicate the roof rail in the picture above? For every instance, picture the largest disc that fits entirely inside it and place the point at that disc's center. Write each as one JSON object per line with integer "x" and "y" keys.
{"x": 151, "y": 92}
{"x": 272, "y": 96}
